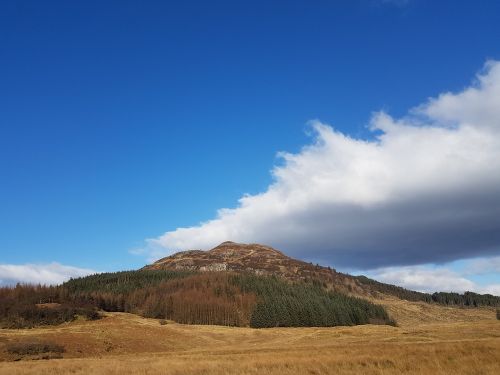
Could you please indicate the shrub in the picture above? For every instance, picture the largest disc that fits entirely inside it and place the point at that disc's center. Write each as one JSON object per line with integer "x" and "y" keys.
{"x": 89, "y": 313}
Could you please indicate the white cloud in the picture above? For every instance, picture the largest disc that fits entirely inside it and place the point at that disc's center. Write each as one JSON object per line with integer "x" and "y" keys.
{"x": 425, "y": 189}
{"x": 424, "y": 279}
{"x": 431, "y": 279}
{"x": 48, "y": 274}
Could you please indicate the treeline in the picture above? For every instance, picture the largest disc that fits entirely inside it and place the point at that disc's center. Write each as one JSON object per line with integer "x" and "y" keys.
{"x": 122, "y": 282}
{"x": 221, "y": 298}
{"x": 468, "y": 299}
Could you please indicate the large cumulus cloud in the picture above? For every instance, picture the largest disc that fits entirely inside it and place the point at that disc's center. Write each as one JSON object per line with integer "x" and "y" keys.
{"x": 425, "y": 188}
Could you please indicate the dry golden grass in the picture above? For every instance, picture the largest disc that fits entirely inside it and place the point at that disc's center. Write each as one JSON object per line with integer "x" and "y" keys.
{"x": 409, "y": 314}
{"x": 458, "y": 341}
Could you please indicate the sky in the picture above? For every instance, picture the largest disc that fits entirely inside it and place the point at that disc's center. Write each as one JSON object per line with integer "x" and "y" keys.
{"x": 363, "y": 134}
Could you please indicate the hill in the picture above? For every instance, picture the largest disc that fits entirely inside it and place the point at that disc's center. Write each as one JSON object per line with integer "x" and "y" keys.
{"x": 192, "y": 297}
{"x": 233, "y": 285}
{"x": 264, "y": 260}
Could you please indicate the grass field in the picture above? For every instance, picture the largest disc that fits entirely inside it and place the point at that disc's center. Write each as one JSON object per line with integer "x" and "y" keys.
{"x": 458, "y": 341}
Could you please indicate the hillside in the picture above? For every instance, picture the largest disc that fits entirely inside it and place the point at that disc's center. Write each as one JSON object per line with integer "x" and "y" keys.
{"x": 192, "y": 297}
{"x": 232, "y": 285}
{"x": 261, "y": 260}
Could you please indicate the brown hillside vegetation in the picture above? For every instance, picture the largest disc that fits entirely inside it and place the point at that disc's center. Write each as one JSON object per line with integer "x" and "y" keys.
{"x": 467, "y": 341}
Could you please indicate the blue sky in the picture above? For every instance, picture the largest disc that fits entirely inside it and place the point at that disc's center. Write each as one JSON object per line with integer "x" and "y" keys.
{"x": 122, "y": 121}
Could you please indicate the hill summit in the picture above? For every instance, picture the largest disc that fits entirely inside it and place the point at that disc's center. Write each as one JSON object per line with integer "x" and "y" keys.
{"x": 256, "y": 258}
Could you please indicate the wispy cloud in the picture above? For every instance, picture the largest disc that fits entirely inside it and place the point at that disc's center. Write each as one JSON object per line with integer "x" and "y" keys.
{"x": 45, "y": 274}
{"x": 425, "y": 189}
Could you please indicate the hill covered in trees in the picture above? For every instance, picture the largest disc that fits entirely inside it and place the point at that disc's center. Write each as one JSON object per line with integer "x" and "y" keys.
{"x": 232, "y": 284}
{"x": 221, "y": 298}
{"x": 224, "y": 298}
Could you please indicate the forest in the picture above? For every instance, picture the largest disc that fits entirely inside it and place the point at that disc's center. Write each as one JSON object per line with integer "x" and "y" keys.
{"x": 221, "y": 298}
